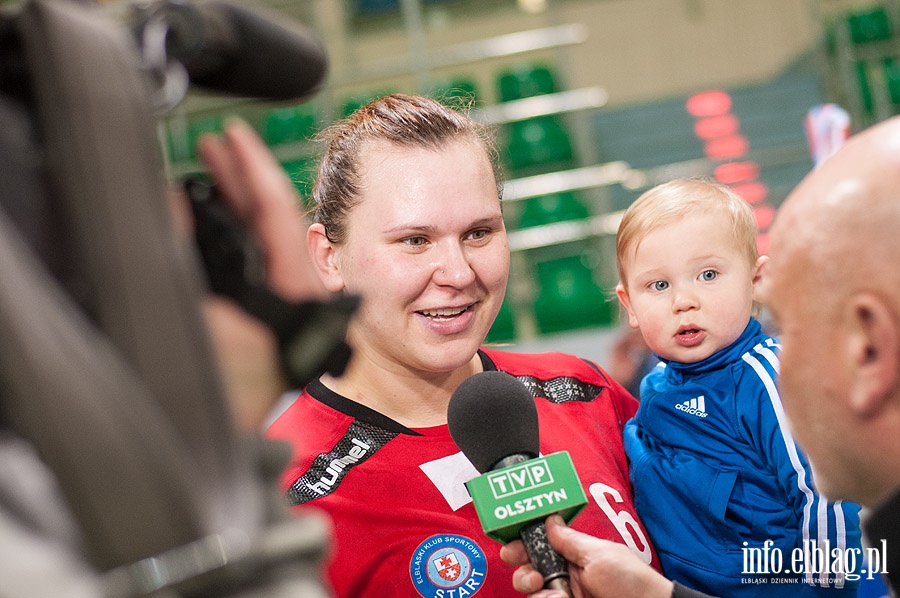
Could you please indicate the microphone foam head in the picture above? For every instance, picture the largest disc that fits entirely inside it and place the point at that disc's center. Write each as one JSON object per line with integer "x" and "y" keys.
{"x": 491, "y": 416}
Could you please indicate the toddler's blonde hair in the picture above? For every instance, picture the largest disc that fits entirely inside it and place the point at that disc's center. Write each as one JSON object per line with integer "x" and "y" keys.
{"x": 669, "y": 202}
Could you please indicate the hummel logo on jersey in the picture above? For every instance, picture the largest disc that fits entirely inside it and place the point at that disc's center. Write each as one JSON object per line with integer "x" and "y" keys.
{"x": 694, "y": 406}
{"x": 335, "y": 469}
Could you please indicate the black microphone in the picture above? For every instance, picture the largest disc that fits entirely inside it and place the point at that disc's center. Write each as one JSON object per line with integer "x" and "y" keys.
{"x": 493, "y": 419}
{"x": 228, "y": 48}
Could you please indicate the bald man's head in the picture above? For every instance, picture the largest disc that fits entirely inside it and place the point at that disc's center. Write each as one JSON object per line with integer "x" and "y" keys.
{"x": 833, "y": 286}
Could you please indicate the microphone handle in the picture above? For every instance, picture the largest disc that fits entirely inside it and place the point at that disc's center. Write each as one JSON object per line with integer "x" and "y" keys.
{"x": 562, "y": 584}
{"x": 544, "y": 557}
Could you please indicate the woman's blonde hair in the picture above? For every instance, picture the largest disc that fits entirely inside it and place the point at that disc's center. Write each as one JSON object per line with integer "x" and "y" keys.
{"x": 669, "y": 202}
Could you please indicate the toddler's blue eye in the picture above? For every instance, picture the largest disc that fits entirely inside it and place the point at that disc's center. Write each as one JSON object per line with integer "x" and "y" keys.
{"x": 660, "y": 285}
{"x": 709, "y": 275}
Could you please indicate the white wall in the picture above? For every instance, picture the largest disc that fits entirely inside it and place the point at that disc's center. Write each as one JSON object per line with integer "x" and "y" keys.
{"x": 639, "y": 50}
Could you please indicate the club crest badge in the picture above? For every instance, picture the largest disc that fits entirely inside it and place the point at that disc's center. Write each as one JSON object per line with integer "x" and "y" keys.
{"x": 446, "y": 566}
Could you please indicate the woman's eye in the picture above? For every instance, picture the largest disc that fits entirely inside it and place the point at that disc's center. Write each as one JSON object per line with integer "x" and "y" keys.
{"x": 709, "y": 275}
{"x": 415, "y": 241}
{"x": 660, "y": 285}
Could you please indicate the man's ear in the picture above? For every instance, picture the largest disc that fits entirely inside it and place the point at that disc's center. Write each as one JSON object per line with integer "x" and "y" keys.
{"x": 324, "y": 257}
{"x": 625, "y": 300}
{"x": 872, "y": 338}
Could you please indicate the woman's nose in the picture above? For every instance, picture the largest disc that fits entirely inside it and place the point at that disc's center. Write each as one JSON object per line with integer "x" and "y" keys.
{"x": 454, "y": 268}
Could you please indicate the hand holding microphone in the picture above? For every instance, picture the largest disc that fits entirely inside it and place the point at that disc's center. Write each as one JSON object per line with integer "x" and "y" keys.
{"x": 493, "y": 419}
{"x": 600, "y": 568}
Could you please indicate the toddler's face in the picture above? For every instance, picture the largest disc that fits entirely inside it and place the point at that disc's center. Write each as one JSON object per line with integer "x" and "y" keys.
{"x": 689, "y": 288}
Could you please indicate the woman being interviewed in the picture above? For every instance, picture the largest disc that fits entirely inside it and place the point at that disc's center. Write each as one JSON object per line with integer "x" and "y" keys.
{"x": 408, "y": 217}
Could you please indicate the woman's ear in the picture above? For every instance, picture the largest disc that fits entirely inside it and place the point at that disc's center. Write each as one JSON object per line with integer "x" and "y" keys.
{"x": 873, "y": 337}
{"x": 324, "y": 257}
{"x": 625, "y": 300}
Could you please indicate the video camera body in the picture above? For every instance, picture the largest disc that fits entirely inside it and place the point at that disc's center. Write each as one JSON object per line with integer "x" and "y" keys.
{"x": 106, "y": 370}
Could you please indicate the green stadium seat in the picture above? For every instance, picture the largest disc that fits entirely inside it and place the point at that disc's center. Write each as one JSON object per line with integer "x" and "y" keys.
{"x": 524, "y": 81}
{"x": 552, "y": 208}
{"x": 537, "y": 145}
{"x": 870, "y": 25}
{"x": 569, "y": 297}
{"x": 288, "y": 124}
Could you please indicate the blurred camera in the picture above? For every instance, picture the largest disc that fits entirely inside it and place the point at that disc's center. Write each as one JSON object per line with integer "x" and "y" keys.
{"x": 310, "y": 334}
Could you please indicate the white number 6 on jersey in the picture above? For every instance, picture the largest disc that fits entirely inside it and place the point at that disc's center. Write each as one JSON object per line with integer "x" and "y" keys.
{"x": 624, "y": 521}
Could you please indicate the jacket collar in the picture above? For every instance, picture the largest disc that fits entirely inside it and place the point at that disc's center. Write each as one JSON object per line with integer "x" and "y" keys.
{"x": 720, "y": 358}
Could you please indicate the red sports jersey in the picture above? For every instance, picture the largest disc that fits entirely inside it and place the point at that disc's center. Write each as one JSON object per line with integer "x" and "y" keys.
{"x": 404, "y": 524}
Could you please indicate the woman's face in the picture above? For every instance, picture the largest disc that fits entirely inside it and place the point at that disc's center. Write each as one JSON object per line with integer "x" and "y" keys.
{"x": 427, "y": 251}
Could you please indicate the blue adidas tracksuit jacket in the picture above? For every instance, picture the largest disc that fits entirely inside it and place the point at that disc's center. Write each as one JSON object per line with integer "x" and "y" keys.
{"x": 716, "y": 474}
